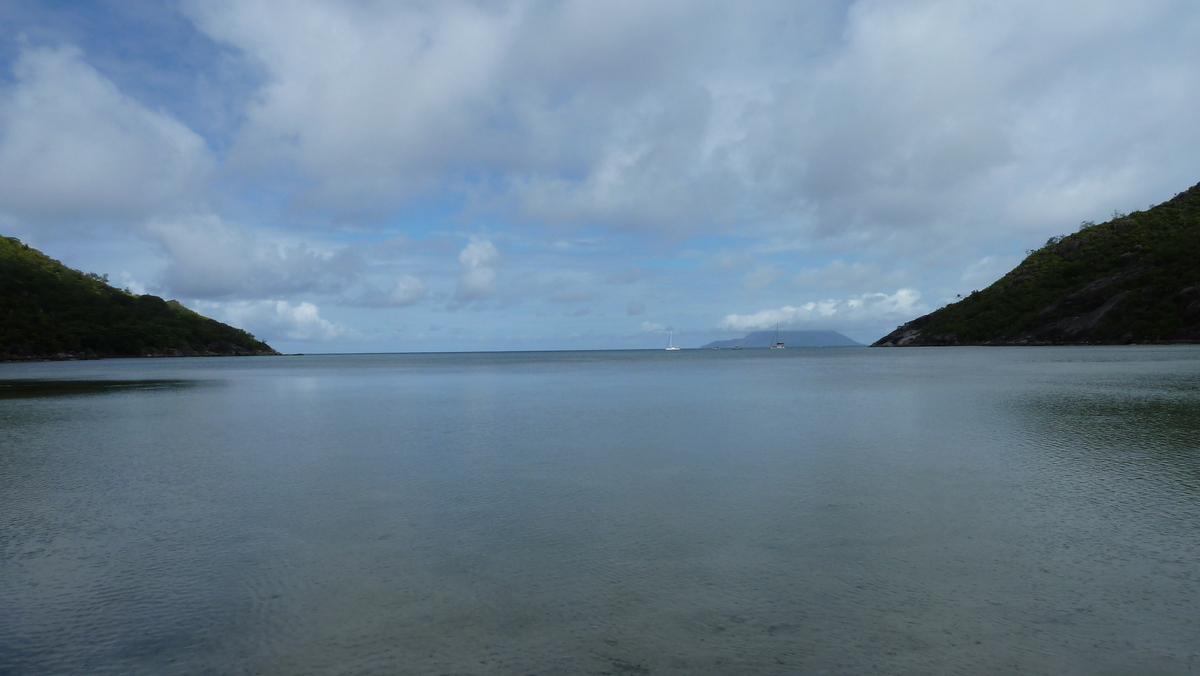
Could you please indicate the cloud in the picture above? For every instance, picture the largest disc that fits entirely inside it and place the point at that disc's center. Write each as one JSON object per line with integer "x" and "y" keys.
{"x": 670, "y": 146}
{"x": 825, "y": 120}
{"x": 479, "y": 261}
{"x": 761, "y": 276}
{"x": 574, "y": 111}
{"x": 840, "y": 275}
{"x": 275, "y": 319}
{"x": 867, "y": 310}
{"x": 938, "y": 116}
{"x": 726, "y": 259}
{"x": 983, "y": 272}
{"x": 570, "y": 286}
{"x": 406, "y": 290}
{"x": 368, "y": 101}
{"x": 652, "y": 327}
{"x": 820, "y": 119}
{"x": 211, "y": 258}
{"x": 72, "y": 146}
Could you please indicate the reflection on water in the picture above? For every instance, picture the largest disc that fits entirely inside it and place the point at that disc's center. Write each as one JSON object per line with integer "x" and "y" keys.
{"x": 839, "y": 511}
{"x": 1129, "y": 428}
{"x": 23, "y": 389}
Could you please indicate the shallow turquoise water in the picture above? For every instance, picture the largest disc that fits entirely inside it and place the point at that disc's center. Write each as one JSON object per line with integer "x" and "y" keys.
{"x": 840, "y": 510}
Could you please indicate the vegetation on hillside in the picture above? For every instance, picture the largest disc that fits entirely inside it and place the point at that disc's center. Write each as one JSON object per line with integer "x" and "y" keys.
{"x": 1135, "y": 278}
{"x": 48, "y": 310}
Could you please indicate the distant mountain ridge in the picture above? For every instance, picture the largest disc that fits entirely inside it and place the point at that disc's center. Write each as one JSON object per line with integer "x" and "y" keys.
{"x": 1133, "y": 279}
{"x": 789, "y": 338}
{"x": 50, "y": 311}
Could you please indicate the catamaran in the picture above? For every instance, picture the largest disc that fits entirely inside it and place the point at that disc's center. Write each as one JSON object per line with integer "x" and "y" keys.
{"x": 775, "y": 344}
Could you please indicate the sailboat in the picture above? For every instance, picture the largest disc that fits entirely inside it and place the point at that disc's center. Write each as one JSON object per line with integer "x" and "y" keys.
{"x": 775, "y": 344}
{"x": 671, "y": 342}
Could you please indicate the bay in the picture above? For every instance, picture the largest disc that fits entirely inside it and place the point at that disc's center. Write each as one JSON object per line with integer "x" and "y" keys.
{"x": 825, "y": 510}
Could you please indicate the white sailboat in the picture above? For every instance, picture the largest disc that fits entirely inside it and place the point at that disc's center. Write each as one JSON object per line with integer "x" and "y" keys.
{"x": 775, "y": 344}
{"x": 671, "y": 342}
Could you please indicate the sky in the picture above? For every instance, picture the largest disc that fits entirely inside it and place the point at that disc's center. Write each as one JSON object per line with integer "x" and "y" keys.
{"x": 437, "y": 175}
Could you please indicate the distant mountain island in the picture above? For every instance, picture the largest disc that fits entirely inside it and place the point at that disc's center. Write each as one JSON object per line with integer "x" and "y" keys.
{"x": 789, "y": 338}
{"x": 50, "y": 311}
{"x": 1133, "y": 279}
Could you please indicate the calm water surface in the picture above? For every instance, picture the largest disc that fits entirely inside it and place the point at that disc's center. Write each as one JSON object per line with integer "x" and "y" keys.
{"x": 812, "y": 511}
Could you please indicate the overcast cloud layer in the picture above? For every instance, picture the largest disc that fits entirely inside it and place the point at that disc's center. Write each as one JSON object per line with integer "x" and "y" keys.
{"x": 393, "y": 176}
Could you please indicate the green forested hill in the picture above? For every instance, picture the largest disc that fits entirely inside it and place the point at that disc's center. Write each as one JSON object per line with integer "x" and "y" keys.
{"x": 1133, "y": 279}
{"x": 48, "y": 310}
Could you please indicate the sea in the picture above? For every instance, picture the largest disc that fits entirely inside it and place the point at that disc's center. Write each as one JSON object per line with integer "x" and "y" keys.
{"x": 960, "y": 510}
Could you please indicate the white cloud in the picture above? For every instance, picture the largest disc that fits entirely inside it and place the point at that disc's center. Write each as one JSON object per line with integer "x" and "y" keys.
{"x": 867, "y": 310}
{"x": 275, "y": 319}
{"x": 941, "y": 117}
{"x": 670, "y": 146}
{"x": 409, "y": 289}
{"x": 370, "y": 100}
{"x": 819, "y": 120}
{"x": 652, "y": 327}
{"x": 405, "y": 290}
{"x": 212, "y": 258}
{"x": 582, "y": 110}
{"x": 72, "y": 146}
{"x": 479, "y": 260}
